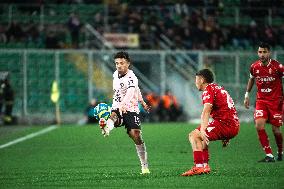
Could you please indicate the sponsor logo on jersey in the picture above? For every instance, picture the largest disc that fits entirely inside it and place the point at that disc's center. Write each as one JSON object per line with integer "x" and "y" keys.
{"x": 265, "y": 79}
{"x": 266, "y": 90}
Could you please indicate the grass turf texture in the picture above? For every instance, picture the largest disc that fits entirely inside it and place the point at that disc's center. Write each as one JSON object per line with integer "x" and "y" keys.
{"x": 79, "y": 157}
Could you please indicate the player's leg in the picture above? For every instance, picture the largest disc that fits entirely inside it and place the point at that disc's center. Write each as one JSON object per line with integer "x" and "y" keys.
{"x": 206, "y": 158}
{"x": 108, "y": 125}
{"x": 260, "y": 117}
{"x": 279, "y": 141}
{"x": 136, "y": 136}
{"x": 264, "y": 140}
{"x": 275, "y": 119}
{"x": 132, "y": 124}
{"x": 214, "y": 131}
{"x": 197, "y": 147}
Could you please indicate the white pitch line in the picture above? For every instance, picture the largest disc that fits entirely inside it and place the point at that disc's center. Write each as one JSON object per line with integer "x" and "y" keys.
{"x": 29, "y": 136}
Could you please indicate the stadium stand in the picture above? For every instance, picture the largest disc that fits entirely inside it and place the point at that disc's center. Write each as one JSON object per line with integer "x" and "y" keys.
{"x": 225, "y": 25}
{"x": 210, "y": 25}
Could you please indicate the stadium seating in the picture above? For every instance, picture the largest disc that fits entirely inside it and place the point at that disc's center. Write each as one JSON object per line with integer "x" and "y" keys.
{"x": 40, "y": 75}
{"x": 50, "y": 14}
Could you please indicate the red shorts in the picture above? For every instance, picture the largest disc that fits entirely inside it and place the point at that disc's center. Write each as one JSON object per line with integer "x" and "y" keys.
{"x": 217, "y": 130}
{"x": 269, "y": 110}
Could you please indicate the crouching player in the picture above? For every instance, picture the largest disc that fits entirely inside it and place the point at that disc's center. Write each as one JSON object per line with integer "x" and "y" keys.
{"x": 125, "y": 110}
{"x": 224, "y": 126}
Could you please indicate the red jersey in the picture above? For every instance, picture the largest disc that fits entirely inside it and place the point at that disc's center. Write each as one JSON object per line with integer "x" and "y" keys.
{"x": 223, "y": 108}
{"x": 268, "y": 79}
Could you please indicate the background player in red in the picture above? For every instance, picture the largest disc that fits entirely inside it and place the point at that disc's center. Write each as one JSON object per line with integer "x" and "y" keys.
{"x": 225, "y": 124}
{"x": 267, "y": 73}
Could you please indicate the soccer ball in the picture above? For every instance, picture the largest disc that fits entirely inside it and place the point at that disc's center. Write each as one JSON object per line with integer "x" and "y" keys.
{"x": 102, "y": 110}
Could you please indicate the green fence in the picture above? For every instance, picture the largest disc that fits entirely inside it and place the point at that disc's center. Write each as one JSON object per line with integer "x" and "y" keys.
{"x": 85, "y": 74}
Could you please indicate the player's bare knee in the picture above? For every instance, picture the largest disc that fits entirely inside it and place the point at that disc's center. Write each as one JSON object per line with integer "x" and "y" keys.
{"x": 259, "y": 124}
{"x": 276, "y": 129}
{"x": 135, "y": 135}
{"x": 192, "y": 135}
{"x": 137, "y": 140}
{"x": 196, "y": 133}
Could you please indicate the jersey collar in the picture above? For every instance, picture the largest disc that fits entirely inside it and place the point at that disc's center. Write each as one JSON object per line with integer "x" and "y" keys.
{"x": 121, "y": 76}
{"x": 269, "y": 62}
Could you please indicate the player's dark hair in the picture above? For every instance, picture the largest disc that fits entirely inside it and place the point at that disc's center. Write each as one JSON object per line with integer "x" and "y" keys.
{"x": 122, "y": 54}
{"x": 264, "y": 45}
{"x": 206, "y": 74}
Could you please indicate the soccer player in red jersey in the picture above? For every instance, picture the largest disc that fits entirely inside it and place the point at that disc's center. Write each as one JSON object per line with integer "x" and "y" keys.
{"x": 225, "y": 124}
{"x": 267, "y": 74}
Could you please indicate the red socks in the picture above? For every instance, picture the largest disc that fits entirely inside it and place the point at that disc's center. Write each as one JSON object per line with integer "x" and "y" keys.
{"x": 198, "y": 157}
{"x": 263, "y": 139}
{"x": 201, "y": 157}
{"x": 205, "y": 156}
{"x": 279, "y": 141}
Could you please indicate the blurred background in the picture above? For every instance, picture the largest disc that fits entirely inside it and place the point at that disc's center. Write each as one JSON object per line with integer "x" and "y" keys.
{"x": 72, "y": 42}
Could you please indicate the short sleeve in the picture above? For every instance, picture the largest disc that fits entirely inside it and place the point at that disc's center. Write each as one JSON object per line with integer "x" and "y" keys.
{"x": 251, "y": 75}
{"x": 208, "y": 96}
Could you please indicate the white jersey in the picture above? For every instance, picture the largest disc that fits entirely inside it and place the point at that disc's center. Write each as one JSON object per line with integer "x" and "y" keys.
{"x": 122, "y": 85}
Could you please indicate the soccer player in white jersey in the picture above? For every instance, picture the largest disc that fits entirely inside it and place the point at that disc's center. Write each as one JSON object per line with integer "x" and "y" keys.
{"x": 125, "y": 111}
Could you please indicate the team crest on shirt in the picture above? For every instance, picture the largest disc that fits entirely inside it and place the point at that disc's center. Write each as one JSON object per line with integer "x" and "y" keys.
{"x": 270, "y": 70}
{"x": 209, "y": 129}
{"x": 257, "y": 71}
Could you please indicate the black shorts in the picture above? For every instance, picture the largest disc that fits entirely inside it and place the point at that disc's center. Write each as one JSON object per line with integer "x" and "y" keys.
{"x": 131, "y": 120}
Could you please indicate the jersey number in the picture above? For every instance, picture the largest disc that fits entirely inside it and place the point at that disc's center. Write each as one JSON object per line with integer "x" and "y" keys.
{"x": 137, "y": 120}
{"x": 230, "y": 101}
{"x": 130, "y": 82}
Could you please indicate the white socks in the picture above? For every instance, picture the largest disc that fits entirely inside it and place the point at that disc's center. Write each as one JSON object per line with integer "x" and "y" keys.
{"x": 110, "y": 124}
{"x": 142, "y": 154}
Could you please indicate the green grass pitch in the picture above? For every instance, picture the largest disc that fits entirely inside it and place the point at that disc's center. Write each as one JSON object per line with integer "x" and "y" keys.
{"x": 79, "y": 157}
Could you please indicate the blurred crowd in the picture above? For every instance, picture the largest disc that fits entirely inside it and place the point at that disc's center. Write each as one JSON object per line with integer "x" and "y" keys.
{"x": 188, "y": 28}
{"x": 164, "y": 108}
{"x": 184, "y": 24}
